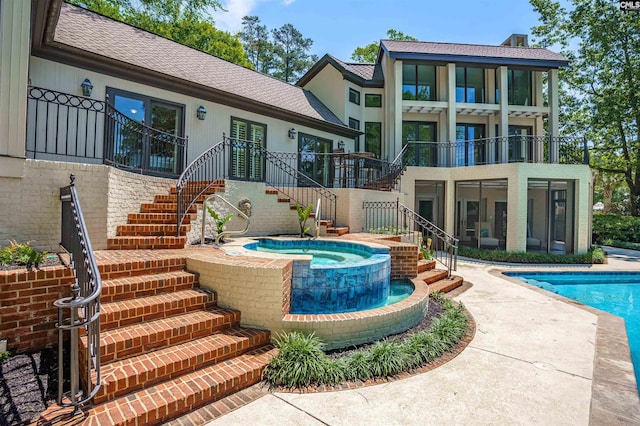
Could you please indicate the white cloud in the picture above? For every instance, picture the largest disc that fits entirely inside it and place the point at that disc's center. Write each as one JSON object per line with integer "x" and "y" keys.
{"x": 231, "y": 20}
{"x": 287, "y": 2}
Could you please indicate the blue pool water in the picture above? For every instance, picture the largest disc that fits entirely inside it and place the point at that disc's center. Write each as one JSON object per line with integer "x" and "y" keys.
{"x": 615, "y": 292}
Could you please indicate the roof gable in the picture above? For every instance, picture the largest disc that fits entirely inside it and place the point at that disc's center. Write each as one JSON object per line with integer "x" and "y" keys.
{"x": 362, "y": 74}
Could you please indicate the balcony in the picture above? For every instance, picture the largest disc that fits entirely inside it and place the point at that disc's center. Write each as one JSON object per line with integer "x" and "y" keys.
{"x": 500, "y": 150}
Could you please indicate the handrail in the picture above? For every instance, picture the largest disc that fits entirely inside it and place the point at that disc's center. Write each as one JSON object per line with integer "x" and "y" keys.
{"x": 83, "y": 307}
{"x": 223, "y": 233}
{"x": 317, "y": 218}
{"x": 396, "y": 218}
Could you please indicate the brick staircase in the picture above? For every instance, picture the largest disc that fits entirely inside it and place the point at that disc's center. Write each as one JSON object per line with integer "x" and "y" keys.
{"x": 166, "y": 347}
{"x": 436, "y": 279}
{"x": 328, "y": 224}
{"x": 155, "y": 226}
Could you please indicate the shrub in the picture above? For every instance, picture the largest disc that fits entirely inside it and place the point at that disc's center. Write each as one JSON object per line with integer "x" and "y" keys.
{"x": 220, "y": 220}
{"x": 301, "y": 362}
{"x": 21, "y": 254}
{"x": 303, "y": 216}
{"x": 525, "y": 257}
{"x": 614, "y": 227}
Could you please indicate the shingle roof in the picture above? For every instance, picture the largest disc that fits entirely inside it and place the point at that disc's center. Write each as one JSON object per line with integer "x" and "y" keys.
{"x": 366, "y": 71}
{"x": 96, "y": 34}
{"x": 363, "y": 74}
{"x": 476, "y": 51}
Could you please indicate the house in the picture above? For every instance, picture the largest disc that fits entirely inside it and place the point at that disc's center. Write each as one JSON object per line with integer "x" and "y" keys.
{"x": 485, "y": 158}
{"x": 81, "y": 93}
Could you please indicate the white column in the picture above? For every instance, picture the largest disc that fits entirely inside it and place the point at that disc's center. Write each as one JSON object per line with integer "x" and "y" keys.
{"x": 552, "y": 81}
{"x": 397, "y": 122}
{"x": 451, "y": 110}
{"x": 503, "y": 88}
{"x": 14, "y": 64}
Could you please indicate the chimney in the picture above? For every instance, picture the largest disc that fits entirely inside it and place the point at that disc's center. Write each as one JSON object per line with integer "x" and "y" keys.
{"x": 517, "y": 40}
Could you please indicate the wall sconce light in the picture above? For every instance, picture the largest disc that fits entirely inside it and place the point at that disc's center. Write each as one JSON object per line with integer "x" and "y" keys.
{"x": 341, "y": 145}
{"x": 292, "y": 133}
{"x": 201, "y": 113}
{"x": 86, "y": 87}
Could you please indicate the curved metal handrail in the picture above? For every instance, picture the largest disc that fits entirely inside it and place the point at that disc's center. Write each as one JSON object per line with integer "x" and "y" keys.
{"x": 223, "y": 233}
{"x": 83, "y": 307}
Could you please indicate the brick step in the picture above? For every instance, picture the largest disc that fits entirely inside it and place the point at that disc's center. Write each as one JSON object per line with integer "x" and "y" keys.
{"x": 338, "y": 230}
{"x": 112, "y": 270}
{"x": 215, "y": 187}
{"x": 446, "y": 284}
{"x": 164, "y": 208}
{"x": 132, "y": 374}
{"x": 137, "y": 339}
{"x": 170, "y": 399}
{"x": 173, "y": 198}
{"x": 271, "y": 191}
{"x": 425, "y": 265}
{"x": 158, "y": 218}
{"x": 127, "y": 288}
{"x": 282, "y": 199}
{"x": 142, "y": 309}
{"x": 142, "y": 243}
{"x": 150, "y": 230}
{"x": 432, "y": 275}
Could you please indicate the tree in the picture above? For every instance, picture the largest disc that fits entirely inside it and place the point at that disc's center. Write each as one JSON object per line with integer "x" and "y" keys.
{"x": 255, "y": 40}
{"x": 291, "y": 53}
{"x": 185, "y": 21}
{"x": 602, "y": 83}
{"x": 369, "y": 53}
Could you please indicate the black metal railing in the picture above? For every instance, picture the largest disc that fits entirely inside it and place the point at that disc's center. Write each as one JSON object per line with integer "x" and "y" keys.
{"x": 245, "y": 160}
{"x": 345, "y": 170}
{"x": 67, "y": 127}
{"x": 135, "y": 146}
{"x": 499, "y": 150}
{"x": 82, "y": 309}
{"x": 64, "y": 126}
{"x": 392, "y": 217}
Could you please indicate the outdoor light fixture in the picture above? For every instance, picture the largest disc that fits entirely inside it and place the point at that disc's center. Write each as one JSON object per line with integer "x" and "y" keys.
{"x": 202, "y": 112}
{"x": 341, "y": 145}
{"x": 292, "y": 133}
{"x": 86, "y": 87}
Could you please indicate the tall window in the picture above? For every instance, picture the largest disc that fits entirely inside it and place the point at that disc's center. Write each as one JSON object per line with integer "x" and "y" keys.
{"x": 470, "y": 151}
{"x": 470, "y": 85}
{"x": 247, "y": 150}
{"x": 418, "y": 82}
{"x": 354, "y": 96}
{"x": 519, "y": 87}
{"x": 373, "y": 138}
{"x": 355, "y": 124}
{"x": 421, "y": 138}
{"x": 314, "y": 160}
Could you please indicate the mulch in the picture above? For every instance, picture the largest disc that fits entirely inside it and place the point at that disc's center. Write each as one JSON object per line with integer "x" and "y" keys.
{"x": 50, "y": 260}
{"x": 28, "y": 383}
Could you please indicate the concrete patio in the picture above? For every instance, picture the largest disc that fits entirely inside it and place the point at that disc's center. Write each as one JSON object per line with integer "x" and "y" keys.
{"x": 535, "y": 359}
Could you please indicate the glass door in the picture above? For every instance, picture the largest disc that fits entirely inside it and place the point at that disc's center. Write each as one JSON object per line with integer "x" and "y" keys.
{"x": 469, "y": 150}
{"x": 421, "y": 137}
{"x": 314, "y": 160}
{"x": 247, "y": 148}
{"x": 520, "y": 144}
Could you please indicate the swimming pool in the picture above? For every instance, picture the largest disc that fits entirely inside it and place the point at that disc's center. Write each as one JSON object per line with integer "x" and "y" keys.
{"x": 615, "y": 292}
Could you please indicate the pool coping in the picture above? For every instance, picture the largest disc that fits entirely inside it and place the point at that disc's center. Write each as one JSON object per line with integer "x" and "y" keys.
{"x": 614, "y": 392}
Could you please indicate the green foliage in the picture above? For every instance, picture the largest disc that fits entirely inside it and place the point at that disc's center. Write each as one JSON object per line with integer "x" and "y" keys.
{"x": 220, "y": 221}
{"x": 303, "y": 216}
{"x": 21, "y": 254}
{"x": 600, "y": 91}
{"x": 594, "y": 255}
{"x": 301, "y": 362}
{"x": 4, "y": 355}
{"x": 613, "y": 227}
{"x": 282, "y": 53}
{"x": 369, "y": 53}
{"x": 387, "y": 230}
{"x": 187, "y": 22}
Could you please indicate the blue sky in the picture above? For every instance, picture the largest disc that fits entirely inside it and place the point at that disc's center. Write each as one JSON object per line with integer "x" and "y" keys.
{"x": 338, "y": 27}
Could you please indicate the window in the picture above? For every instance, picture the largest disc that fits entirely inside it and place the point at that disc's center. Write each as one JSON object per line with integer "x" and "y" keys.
{"x": 137, "y": 149}
{"x": 247, "y": 161}
{"x": 470, "y": 85}
{"x": 373, "y": 138}
{"x": 355, "y": 124}
{"x": 354, "y": 96}
{"x": 519, "y": 87}
{"x": 418, "y": 82}
{"x": 470, "y": 150}
{"x": 373, "y": 101}
{"x": 313, "y": 160}
{"x": 421, "y": 138}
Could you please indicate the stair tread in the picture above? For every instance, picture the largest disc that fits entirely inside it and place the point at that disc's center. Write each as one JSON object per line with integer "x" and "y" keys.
{"x": 446, "y": 284}
{"x": 182, "y": 394}
{"x": 147, "y": 369}
{"x": 158, "y": 299}
{"x": 145, "y": 285}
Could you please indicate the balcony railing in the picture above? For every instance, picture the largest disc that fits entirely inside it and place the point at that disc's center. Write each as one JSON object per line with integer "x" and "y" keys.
{"x": 500, "y": 150}
{"x": 66, "y": 127}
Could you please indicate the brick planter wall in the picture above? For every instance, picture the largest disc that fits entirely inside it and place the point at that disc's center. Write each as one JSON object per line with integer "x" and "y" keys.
{"x": 27, "y": 314}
